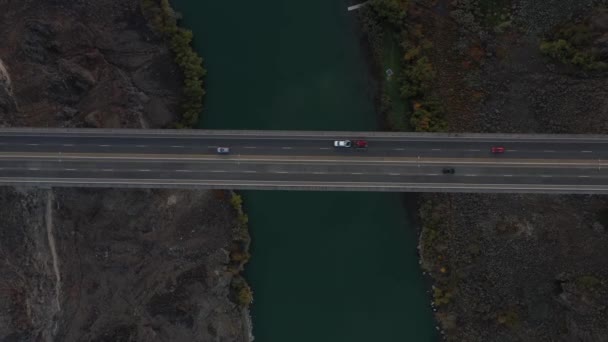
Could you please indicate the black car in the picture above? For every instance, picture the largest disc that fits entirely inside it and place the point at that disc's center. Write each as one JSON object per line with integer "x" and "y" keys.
{"x": 448, "y": 171}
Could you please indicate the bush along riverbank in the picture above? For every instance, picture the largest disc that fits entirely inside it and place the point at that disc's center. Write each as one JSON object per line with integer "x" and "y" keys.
{"x": 163, "y": 20}
{"x": 400, "y": 52}
{"x": 239, "y": 253}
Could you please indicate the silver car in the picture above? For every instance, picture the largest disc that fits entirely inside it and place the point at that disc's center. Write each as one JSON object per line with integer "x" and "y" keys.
{"x": 223, "y": 150}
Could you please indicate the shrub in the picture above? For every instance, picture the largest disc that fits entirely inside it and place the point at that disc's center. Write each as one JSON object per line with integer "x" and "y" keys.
{"x": 391, "y": 11}
{"x": 164, "y": 21}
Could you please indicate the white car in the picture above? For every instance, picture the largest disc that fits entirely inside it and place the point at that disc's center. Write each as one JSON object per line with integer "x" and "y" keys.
{"x": 223, "y": 150}
{"x": 342, "y": 143}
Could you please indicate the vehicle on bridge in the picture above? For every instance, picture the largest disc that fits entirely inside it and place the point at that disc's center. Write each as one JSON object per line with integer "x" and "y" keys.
{"x": 497, "y": 149}
{"x": 342, "y": 143}
{"x": 448, "y": 171}
{"x": 361, "y": 143}
{"x": 223, "y": 150}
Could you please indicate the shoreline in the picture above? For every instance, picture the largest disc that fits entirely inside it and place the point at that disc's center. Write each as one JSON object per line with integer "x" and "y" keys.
{"x": 409, "y": 201}
{"x": 193, "y": 73}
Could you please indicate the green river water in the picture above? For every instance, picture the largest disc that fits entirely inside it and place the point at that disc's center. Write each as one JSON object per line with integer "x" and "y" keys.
{"x": 325, "y": 267}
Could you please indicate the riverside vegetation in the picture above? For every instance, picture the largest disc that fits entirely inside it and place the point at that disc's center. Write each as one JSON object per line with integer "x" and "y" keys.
{"x": 398, "y": 44}
{"x": 164, "y": 21}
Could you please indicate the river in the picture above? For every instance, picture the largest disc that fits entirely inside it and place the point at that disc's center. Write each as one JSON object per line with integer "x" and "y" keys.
{"x": 325, "y": 266}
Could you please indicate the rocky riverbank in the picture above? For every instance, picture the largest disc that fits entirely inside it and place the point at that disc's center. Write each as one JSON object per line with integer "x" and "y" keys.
{"x": 105, "y": 264}
{"x": 504, "y": 267}
{"x": 517, "y": 267}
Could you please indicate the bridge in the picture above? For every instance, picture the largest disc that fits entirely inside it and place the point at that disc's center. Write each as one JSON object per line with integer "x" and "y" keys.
{"x": 297, "y": 160}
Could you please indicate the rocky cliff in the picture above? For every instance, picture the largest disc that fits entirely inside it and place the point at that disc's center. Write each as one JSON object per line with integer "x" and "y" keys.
{"x": 104, "y": 265}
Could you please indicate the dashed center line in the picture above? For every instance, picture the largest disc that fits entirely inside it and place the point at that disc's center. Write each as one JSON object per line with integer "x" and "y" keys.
{"x": 546, "y": 176}
{"x": 587, "y": 151}
{"x": 281, "y": 172}
{"x": 356, "y": 173}
{"x": 436, "y": 149}
{"x": 183, "y": 170}
{"x": 177, "y": 146}
{"x": 70, "y": 169}
{"x": 473, "y": 150}
{"x": 399, "y": 149}
{"x": 218, "y": 171}
{"x": 470, "y": 175}
{"x": 394, "y": 174}
{"x": 249, "y": 171}
{"x": 286, "y": 148}
{"x": 32, "y": 144}
{"x": 250, "y": 147}
{"x": 108, "y": 170}
{"x": 432, "y": 174}
{"x": 324, "y": 148}
{"x": 67, "y": 145}
{"x": 318, "y": 173}
{"x": 144, "y": 170}
{"x": 583, "y": 176}
{"x": 549, "y": 151}
{"x": 104, "y": 145}
{"x": 507, "y": 175}
{"x": 33, "y": 169}
{"x": 511, "y": 150}
{"x": 141, "y": 145}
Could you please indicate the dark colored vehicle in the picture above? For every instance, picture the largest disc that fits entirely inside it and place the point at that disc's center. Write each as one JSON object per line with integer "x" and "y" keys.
{"x": 448, "y": 171}
{"x": 361, "y": 143}
{"x": 497, "y": 149}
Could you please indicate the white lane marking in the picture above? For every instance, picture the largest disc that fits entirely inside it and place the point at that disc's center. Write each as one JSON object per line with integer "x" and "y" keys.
{"x": 104, "y": 145}
{"x": 281, "y": 172}
{"x": 143, "y": 170}
{"x": 546, "y": 176}
{"x": 141, "y": 145}
{"x": 586, "y": 151}
{"x": 250, "y": 147}
{"x": 108, "y": 170}
{"x": 583, "y": 176}
{"x": 432, "y": 174}
{"x": 548, "y": 151}
{"x": 177, "y": 146}
{"x": 324, "y": 148}
{"x": 183, "y": 170}
{"x": 399, "y": 149}
{"x": 511, "y": 150}
{"x": 286, "y": 148}
{"x": 32, "y": 144}
{"x": 318, "y": 173}
{"x": 394, "y": 174}
{"x": 249, "y": 171}
{"x": 68, "y": 145}
{"x": 33, "y": 169}
{"x": 211, "y": 146}
{"x": 70, "y": 169}
{"x": 473, "y": 150}
{"x": 436, "y": 149}
{"x": 508, "y": 175}
{"x": 217, "y": 171}
{"x": 470, "y": 175}
{"x": 356, "y": 173}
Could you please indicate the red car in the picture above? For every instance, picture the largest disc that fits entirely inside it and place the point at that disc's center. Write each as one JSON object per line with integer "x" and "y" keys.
{"x": 360, "y": 143}
{"x": 497, "y": 149}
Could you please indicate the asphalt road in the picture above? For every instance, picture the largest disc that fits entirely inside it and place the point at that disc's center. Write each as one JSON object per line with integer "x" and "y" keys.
{"x": 304, "y": 160}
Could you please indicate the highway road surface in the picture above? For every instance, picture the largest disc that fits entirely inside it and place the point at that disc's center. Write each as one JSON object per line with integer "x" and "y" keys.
{"x": 293, "y": 160}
